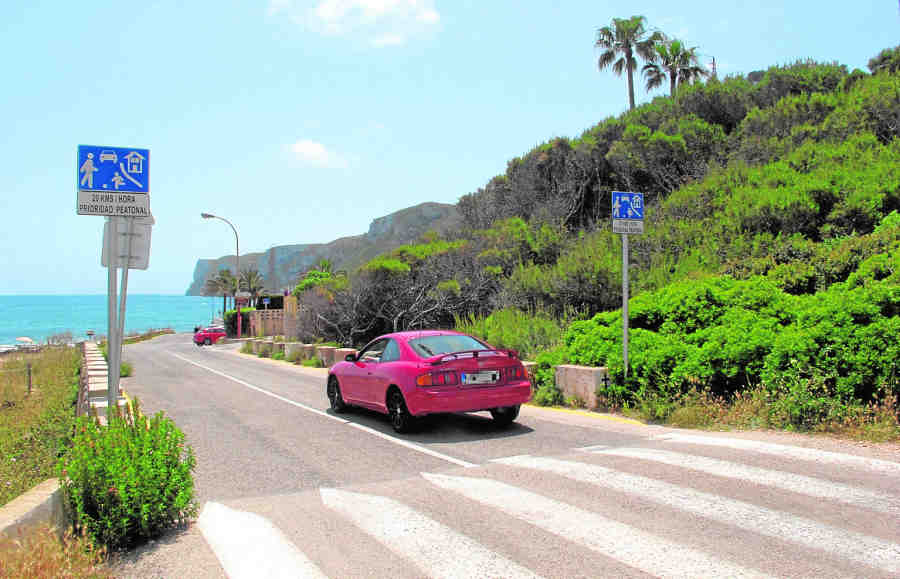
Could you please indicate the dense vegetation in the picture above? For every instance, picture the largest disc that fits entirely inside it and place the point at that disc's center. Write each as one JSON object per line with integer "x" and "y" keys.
{"x": 769, "y": 257}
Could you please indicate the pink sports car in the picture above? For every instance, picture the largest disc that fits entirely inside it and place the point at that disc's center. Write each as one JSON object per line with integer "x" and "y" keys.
{"x": 410, "y": 374}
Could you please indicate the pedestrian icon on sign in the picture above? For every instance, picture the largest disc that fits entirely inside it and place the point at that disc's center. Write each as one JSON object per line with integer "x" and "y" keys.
{"x": 88, "y": 169}
{"x": 118, "y": 181}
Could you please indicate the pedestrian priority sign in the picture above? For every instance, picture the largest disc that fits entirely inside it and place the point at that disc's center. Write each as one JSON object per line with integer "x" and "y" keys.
{"x": 113, "y": 169}
{"x": 627, "y": 212}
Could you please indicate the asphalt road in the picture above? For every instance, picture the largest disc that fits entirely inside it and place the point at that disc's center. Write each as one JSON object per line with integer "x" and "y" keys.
{"x": 286, "y": 488}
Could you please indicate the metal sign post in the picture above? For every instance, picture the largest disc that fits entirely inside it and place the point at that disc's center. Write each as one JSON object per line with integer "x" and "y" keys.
{"x": 628, "y": 219}
{"x": 115, "y": 182}
{"x": 112, "y": 343}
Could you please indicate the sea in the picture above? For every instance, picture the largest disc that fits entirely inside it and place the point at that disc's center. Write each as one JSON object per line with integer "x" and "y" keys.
{"x": 40, "y": 317}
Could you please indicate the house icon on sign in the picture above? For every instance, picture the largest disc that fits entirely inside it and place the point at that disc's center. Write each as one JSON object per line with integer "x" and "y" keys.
{"x": 135, "y": 162}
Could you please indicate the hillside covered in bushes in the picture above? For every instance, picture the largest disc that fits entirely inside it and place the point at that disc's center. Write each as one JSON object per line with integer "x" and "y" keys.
{"x": 769, "y": 259}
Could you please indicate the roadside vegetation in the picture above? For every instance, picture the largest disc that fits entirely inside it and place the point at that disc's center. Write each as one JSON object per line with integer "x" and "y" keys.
{"x": 34, "y": 428}
{"x": 40, "y": 553}
{"x": 764, "y": 291}
{"x": 129, "y": 481}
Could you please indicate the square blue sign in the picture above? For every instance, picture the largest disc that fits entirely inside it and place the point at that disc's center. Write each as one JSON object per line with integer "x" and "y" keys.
{"x": 113, "y": 169}
{"x": 627, "y": 205}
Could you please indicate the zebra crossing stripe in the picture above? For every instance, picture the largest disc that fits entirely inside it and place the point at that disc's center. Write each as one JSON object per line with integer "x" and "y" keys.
{"x": 785, "y": 451}
{"x": 626, "y": 544}
{"x": 849, "y": 545}
{"x": 250, "y": 546}
{"x": 786, "y": 481}
{"x": 436, "y": 549}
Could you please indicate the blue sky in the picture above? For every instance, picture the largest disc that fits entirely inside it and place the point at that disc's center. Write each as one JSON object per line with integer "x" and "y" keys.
{"x": 301, "y": 122}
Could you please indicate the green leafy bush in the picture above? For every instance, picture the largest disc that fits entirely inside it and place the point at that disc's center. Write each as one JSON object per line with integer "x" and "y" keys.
{"x": 278, "y": 356}
{"x": 128, "y": 482}
{"x": 231, "y": 321}
{"x": 526, "y": 332}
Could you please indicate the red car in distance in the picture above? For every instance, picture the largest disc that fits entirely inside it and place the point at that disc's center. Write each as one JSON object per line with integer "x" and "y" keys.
{"x": 210, "y": 335}
{"x": 415, "y": 373}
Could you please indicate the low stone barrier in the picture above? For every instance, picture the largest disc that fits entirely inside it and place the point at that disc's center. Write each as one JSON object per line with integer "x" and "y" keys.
{"x": 326, "y": 355}
{"x": 42, "y": 504}
{"x": 309, "y": 351}
{"x": 581, "y": 381}
{"x": 292, "y": 349}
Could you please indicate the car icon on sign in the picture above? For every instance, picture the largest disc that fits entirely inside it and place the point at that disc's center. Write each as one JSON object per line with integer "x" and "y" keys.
{"x": 108, "y": 156}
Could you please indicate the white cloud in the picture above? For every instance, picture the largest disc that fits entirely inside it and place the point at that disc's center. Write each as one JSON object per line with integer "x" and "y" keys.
{"x": 381, "y": 22}
{"x": 316, "y": 154}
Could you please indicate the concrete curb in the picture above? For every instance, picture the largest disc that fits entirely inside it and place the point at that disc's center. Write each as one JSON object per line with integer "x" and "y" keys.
{"x": 41, "y": 504}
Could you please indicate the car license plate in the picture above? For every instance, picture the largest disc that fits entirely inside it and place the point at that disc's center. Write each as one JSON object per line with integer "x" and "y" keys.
{"x": 480, "y": 377}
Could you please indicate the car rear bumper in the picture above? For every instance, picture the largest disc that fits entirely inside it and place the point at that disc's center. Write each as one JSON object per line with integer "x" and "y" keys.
{"x": 456, "y": 399}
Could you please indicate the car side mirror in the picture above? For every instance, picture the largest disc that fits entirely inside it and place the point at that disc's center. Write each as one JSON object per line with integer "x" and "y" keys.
{"x": 350, "y": 357}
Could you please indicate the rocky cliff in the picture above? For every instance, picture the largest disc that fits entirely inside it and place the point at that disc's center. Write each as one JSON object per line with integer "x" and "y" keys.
{"x": 282, "y": 264}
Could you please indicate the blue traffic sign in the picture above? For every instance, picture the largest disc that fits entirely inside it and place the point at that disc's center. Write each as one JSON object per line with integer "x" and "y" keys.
{"x": 113, "y": 169}
{"x": 627, "y": 205}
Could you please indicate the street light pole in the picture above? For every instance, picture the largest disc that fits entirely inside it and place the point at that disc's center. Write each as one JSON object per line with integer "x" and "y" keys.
{"x": 237, "y": 266}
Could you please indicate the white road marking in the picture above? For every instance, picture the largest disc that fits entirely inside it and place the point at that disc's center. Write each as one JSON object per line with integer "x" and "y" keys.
{"x": 436, "y": 549}
{"x": 397, "y": 441}
{"x": 849, "y": 545}
{"x": 794, "y": 452}
{"x": 250, "y": 546}
{"x": 800, "y": 484}
{"x": 626, "y": 544}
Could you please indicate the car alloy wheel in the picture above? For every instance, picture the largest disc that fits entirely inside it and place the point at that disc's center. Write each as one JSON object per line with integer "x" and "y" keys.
{"x": 334, "y": 396}
{"x": 401, "y": 420}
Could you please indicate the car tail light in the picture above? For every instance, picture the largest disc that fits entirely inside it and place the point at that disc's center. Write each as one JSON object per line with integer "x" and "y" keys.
{"x": 438, "y": 379}
{"x": 516, "y": 373}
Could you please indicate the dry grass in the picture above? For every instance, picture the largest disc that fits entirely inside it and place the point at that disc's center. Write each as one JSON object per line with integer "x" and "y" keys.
{"x": 41, "y": 553}
{"x": 34, "y": 428}
{"x": 756, "y": 409}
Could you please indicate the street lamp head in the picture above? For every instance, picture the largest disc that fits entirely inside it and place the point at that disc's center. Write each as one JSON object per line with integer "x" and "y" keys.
{"x": 207, "y": 215}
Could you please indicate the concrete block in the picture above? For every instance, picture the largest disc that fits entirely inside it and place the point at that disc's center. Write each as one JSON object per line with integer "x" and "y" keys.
{"x": 42, "y": 504}
{"x": 581, "y": 381}
{"x": 326, "y": 354}
{"x": 292, "y": 349}
{"x": 309, "y": 351}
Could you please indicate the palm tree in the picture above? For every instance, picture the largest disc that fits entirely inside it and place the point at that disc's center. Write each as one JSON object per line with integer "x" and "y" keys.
{"x": 622, "y": 42}
{"x": 226, "y": 284}
{"x": 253, "y": 282}
{"x": 673, "y": 60}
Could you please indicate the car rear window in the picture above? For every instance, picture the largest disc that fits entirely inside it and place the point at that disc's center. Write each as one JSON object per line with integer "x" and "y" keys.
{"x": 428, "y": 346}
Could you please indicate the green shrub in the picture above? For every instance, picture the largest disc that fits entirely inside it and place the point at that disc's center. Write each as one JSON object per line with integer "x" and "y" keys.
{"x": 231, "y": 321}
{"x": 128, "y": 482}
{"x": 312, "y": 363}
{"x": 125, "y": 370}
{"x": 278, "y": 356}
{"x": 526, "y": 332}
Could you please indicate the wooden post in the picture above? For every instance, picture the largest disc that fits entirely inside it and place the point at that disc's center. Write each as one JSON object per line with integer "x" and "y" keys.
{"x": 28, "y": 367}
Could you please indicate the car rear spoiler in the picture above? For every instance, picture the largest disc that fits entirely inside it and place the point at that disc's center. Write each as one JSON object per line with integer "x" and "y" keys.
{"x": 442, "y": 358}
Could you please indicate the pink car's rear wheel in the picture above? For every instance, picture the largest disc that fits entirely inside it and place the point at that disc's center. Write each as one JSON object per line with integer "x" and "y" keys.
{"x": 401, "y": 420}
{"x": 504, "y": 415}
